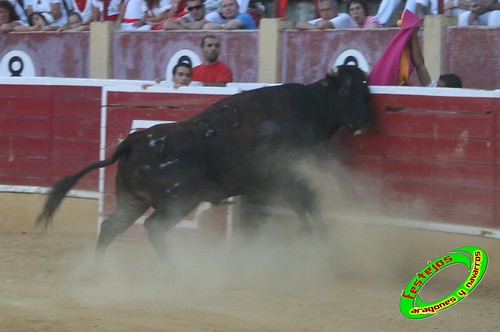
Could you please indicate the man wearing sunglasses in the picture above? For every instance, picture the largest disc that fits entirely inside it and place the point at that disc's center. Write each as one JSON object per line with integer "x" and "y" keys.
{"x": 193, "y": 20}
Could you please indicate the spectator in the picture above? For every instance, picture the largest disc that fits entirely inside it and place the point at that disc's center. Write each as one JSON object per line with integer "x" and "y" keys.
{"x": 133, "y": 16}
{"x": 330, "y": 18}
{"x": 38, "y": 22}
{"x": 193, "y": 20}
{"x": 231, "y": 18}
{"x": 20, "y": 11}
{"x": 114, "y": 7}
{"x": 8, "y": 17}
{"x": 387, "y": 8}
{"x": 358, "y": 10}
{"x": 75, "y": 23}
{"x": 481, "y": 13}
{"x": 451, "y": 7}
{"x": 447, "y": 80}
{"x": 159, "y": 11}
{"x": 182, "y": 72}
{"x": 53, "y": 8}
{"x": 83, "y": 8}
{"x": 212, "y": 72}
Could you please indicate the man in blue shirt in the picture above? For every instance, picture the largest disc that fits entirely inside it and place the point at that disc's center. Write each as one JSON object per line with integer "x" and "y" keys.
{"x": 232, "y": 19}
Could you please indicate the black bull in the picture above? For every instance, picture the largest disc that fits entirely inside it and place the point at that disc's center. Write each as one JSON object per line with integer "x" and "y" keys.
{"x": 245, "y": 144}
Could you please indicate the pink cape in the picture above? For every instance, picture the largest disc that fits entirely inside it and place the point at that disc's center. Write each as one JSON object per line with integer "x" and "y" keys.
{"x": 386, "y": 70}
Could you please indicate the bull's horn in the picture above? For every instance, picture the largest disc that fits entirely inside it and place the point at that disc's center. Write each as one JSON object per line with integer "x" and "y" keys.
{"x": 350, "y": 59}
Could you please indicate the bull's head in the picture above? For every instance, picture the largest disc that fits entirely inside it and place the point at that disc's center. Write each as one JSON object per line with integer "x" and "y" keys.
{"x": 350, "y": 95}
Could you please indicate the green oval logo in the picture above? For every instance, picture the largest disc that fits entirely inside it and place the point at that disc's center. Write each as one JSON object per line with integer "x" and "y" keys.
{"x": 476, "y": 261}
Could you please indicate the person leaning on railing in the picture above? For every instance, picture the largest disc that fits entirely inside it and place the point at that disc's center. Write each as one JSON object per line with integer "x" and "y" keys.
{"x": 53, "y": 10}
{"x": 484, "y": 12}
{"x": 8, "y": 17}
{"x": 232, "y": 19}
{"x": 330, "y": 18}
{"x": 193, "y": 20}
{"x": 358, "y": 10}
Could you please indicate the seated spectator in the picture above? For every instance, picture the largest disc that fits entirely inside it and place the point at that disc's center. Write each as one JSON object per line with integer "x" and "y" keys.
{"x": 82, "y": 8}
{"x": 212, "y": 72}
{"x": 133, "y": 16}
{"x": 53, "y": 8}
{"x": 75, "y": 23}
{"x": 113, "y": 10}
{"x": 8, "y": 17}
{"x": 193, "y": 20}
{"x": 481, "y": 13}
{"x": 230, "y": 18}
{"x": 158, "y": 11}
{"x": 330, "y": 18}
{"x": 358, "y": 10}
{"x": 182, "y": 72}
{"x": 38, "y": 22}
{"x": 20, "y": 11}
{"x": 451, "y": 7}
{"x": 387, "y": 8}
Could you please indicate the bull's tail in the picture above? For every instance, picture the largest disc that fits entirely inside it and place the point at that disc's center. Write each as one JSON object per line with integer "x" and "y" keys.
{"x": 63, "y": 186}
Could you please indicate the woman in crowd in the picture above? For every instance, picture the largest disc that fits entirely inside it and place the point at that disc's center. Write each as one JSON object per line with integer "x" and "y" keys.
{"x": 75, "y": 23}
{"x": 8, "y": 17}
{"x": 358, "y": 10}
{"x": 38, "y": 22}
{"x": 54, "y": 10}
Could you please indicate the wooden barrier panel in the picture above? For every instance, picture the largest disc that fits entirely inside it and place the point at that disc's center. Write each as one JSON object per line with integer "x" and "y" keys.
{"x": 48, "y": 131}
{"x": 432, "y": 154}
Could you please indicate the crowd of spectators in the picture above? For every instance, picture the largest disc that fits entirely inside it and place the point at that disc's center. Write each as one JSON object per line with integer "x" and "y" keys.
{"x": 75, "y": 15}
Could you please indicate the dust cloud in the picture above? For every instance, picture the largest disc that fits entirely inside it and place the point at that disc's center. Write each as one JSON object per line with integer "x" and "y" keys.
{"x": 276, "y": 256}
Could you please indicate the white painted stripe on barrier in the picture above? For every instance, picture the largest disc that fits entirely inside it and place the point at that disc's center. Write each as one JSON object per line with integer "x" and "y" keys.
{"x": 141, "y": 124}
{"x": 439, "y": 92}
{"x": 185, "y": 223}
{"x": 397, "y": 222}
{"x": 424, "y": 225}
{"x": 45, "y": 190}
{"x": 159, "y": 88}
{"x": 60, "y": 81}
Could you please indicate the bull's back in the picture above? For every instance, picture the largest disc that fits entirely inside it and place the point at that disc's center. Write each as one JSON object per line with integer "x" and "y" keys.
{"x": 253, "y": 133}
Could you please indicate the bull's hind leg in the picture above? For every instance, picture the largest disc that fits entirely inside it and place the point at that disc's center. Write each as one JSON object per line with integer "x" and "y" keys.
{"x": 304, "y": 202}
{"x": 127, "y": 212}
{"x": 164, "y": 218}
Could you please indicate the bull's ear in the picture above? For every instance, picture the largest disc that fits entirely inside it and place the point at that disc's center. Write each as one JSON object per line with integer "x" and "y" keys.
{"x": 331, "y": 76}
{"x": 334, "y": 71}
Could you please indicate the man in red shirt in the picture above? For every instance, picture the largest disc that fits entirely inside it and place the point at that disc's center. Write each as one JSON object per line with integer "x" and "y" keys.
{"x": 212, "y": 72}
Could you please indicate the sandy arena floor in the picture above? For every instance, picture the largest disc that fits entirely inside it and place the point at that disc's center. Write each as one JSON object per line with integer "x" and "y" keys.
{"x": 277, "y": 282}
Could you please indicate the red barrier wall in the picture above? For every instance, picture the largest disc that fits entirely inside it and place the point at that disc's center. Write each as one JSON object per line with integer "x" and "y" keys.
{"x": 432, "y": 155}
{"x": 470, "y": 52}
{"x": 145, "y": 55}
{"x": 307, "y": 55}
{"x": 474, "y": 54}
{"x": 53, "y": 54}
{"x": 48, "y": 131}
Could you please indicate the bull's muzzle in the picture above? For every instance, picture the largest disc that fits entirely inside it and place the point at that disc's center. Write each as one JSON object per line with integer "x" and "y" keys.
{"x": 360, "y": 127}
